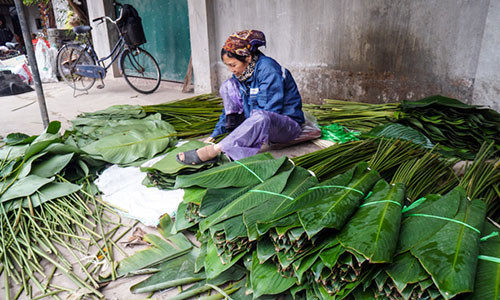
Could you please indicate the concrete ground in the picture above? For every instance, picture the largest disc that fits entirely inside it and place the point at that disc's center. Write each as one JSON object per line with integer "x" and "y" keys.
{"x": 21, "y": 113}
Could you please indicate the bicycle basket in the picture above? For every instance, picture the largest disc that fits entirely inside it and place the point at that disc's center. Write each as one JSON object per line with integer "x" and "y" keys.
{"x": 130, "y": 25}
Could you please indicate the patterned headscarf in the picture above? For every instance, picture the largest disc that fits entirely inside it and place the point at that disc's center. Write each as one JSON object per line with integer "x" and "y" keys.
{"x": 244, "y": 42}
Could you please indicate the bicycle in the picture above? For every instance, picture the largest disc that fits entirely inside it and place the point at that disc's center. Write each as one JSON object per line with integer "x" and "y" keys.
{"x": 79, "y": 66}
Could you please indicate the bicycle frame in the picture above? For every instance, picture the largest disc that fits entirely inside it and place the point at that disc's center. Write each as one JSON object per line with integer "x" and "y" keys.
{"x": 115, "y": 54}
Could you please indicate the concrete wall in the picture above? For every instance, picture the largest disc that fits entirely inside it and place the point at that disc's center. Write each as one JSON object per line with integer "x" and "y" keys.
{"x": 372, "y": 50}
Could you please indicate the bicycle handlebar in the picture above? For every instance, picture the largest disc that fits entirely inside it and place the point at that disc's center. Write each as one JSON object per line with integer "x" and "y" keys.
{"x": 102, "y": 19}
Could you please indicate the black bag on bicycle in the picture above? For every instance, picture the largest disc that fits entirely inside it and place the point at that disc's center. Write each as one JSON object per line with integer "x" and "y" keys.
{"x": 130, "y": 25}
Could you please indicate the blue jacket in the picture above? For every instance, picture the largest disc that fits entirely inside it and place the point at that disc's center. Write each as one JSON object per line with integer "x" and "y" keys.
{"x": 272, "y": 88}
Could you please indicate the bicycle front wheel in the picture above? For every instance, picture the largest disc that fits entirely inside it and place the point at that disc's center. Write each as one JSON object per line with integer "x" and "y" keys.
{"x": 67, "y": 58}
{"x": 140, "y": 70}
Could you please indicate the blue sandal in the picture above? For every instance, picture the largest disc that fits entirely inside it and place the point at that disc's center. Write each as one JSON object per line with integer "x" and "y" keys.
{"x": 191, "y": 158}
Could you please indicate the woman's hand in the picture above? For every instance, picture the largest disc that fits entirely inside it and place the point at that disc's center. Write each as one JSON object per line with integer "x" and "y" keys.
{"x": 209, "y": 140}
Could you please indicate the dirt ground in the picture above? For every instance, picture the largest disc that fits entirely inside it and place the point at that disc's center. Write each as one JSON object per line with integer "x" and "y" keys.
{"x": 21, "y": 113}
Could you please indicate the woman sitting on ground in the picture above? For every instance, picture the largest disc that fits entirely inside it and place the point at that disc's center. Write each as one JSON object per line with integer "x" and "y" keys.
{"x": 261, "y": 103}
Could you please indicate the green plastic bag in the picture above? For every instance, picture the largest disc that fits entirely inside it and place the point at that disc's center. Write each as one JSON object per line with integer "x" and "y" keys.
{"x": 338, "y": 134}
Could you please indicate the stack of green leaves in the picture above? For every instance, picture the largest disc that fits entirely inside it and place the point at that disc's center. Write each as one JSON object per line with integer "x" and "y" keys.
{"x": 458, "y": 128}
{"x": 192, "y": 117}
{"x": 30, "y": 166}
{"x": 353, "y": 115}
{"x": 209, "y": 191}
{"x": 487, "y": 283}
{"x": 163, "y": 173}
{"x": 248, "y": 209}
{"x": 437, "y": 251}
{"x": 370, "y": 237}
{"x": 122, "y": 141}
{"x": 297, "y": 228}
{"x": 41, "y": 211}
{"x": 221, "y": 196}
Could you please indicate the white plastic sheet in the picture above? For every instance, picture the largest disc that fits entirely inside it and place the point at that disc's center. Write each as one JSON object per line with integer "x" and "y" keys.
{"x": 123, "y": 188}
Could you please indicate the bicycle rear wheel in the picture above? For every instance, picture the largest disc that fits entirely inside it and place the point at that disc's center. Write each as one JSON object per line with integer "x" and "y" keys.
{"x": 67, "y": 58}
{"x": 140, "y": 70}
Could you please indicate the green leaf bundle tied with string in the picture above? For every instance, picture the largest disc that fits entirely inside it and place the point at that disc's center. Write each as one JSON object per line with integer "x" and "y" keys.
{"x": 438, "y": 249}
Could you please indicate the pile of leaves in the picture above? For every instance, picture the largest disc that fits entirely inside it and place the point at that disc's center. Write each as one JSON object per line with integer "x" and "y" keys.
{"x": 46, "y": 207}
{"x": 459, "y": 129}
{"x": 341, "y": 238}
{"x": 122, "y": 134}
{"x": 191, "y": 117}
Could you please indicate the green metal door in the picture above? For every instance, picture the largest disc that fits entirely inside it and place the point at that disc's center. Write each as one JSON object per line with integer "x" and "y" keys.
{"x": 166, "y": 25}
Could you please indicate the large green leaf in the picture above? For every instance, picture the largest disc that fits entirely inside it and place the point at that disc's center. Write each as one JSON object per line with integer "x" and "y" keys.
{"x": 266, "y": 280}
{"x": 26, "y": 166}
{"x": 334, "y": 210}
{"x": 53, "y": 127}
{"x": 18, "y": 138}
{"x": 24, "y": 187}
{"x": 173, "y": 272}
{"x": 260, "y": 194}
{"x": 402, "y": 132}
{"x": 216, "y": 199}
{"x": 487, "y": 283}
{"x": 406, "y": 269}
{"x": 415, "y": 230}
{"x": 129, "y": 146}
{"x": 298, "y": 182}
{"x": 51, "y": 166}
{"x": 307, "y": 199}
{"x": 373, "y": 231}
{"x": 213, "y": 263}
{"x": 50, "y": 191}
{"x": 450, "y": 255}
{"x": 41, "y": 143}
{"x": 12, "y": 152}
{"x": 247, "y": 171}
{"x": 160, "y": 251}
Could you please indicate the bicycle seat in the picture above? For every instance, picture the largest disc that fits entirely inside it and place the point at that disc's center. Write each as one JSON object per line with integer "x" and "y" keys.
{"x": 81, "y": 29}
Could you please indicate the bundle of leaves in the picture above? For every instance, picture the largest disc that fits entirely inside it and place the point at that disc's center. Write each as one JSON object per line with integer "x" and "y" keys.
{"x": 106, "y": 135}
{"x": 191, "y": 117}
{"x": 367, "y": 240}
{"x": 209, "y": 191}
{"x": 458, "y": 127}
{"x": 487, "y": 282}
{"x": 42, "y": 210}
{"x": 163, "y": 173}
{"x": 422, "y": 170}
{"x": 353, "y": 115}
{"x": 337, "y": 239}
{"x": 301, "y": 227}
{"x": 437, "y": 251}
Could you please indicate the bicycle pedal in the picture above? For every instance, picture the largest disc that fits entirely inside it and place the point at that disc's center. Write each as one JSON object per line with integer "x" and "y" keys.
{"x": 100, "y": 86}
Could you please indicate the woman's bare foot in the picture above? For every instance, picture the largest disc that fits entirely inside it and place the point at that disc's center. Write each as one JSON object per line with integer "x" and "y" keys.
{"x": 205, "y": 153}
